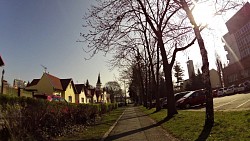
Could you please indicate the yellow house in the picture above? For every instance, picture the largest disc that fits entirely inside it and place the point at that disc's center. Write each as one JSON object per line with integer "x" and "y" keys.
{"x": 89, "y": 95}
{"x": 80, "y": 93}
{"x": 48, "y": 84}
{"x": 51, "y": 85}
{"x": 92, "y": 95}
{"x": 106, "y": 97}
{"x": 69, "y": 90}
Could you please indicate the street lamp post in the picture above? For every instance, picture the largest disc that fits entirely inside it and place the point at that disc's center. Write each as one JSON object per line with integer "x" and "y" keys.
{"x": 125, "y": 93}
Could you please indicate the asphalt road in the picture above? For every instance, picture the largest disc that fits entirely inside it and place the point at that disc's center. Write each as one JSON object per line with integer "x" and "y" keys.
{"x": 233, "y": 102}
{"x": 230, "y": 103}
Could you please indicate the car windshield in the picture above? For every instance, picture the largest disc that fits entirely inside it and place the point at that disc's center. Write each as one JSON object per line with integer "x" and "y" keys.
{"x": 182, "y": 93}
{"x": 58, "y": 99}
{"x": 188, "y": 94}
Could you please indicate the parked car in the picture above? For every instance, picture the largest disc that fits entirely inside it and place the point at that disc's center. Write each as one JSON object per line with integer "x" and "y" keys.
{"x": 191, "y": 99}
{"x": 215, "y": 93}
{"x": 163, "y": 102}
{"x": 50, "y": 97}
{"x": 231, "y": 90}
{"x": 222, "y": 91}
{"x": 241, "y": 88}
{"x": 64, "y": 109}
{"x": 179, "y": 95}
{"x": 247, "y": 85}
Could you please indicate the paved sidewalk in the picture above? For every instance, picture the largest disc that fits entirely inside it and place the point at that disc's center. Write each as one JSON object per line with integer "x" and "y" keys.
{"x": 135, "y": 125}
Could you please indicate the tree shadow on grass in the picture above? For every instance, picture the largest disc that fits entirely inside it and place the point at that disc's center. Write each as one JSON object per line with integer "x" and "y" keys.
{"x": 205, "y": 133}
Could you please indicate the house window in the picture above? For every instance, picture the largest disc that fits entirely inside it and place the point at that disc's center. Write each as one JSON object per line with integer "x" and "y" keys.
{"x": 70, "y": 98}
{"x": 70, "y": 86}
{"x": 82, "y": 100}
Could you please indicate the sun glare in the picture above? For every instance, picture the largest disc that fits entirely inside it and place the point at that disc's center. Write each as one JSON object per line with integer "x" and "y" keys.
{"x": 203, "y": 14}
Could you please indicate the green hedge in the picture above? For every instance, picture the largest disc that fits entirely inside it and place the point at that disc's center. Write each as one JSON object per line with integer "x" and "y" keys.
{"x": 31, "y": 119}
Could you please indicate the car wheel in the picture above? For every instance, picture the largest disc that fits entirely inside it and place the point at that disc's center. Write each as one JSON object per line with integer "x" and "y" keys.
{"x": 187, "y": 106}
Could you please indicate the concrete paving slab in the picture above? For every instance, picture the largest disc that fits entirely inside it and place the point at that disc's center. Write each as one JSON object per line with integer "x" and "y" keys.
{"x": 137, "y": 126}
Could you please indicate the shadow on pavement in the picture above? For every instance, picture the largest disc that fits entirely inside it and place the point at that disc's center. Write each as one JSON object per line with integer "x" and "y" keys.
{"x": 113, "y": 137}
{"x": 204, "y": 133}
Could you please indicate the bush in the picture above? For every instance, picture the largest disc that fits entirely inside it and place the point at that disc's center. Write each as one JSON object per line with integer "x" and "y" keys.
{"x": 33, "y": 119}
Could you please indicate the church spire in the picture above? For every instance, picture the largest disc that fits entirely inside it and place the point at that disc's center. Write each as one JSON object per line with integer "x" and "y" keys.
{"x": 87, "y": 83}
{"x": 98, "y": 84}
{"x": 99, "y": 79}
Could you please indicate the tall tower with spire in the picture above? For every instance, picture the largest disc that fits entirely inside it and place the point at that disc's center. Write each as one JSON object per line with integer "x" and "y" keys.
{"x": 98, "y": 83}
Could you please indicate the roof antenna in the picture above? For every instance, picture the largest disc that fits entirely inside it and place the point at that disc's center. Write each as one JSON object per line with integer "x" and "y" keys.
{"x": 45, "y": 68}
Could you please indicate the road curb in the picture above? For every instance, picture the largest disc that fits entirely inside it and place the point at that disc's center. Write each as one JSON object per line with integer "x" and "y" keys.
{"x": 111, "y": 128}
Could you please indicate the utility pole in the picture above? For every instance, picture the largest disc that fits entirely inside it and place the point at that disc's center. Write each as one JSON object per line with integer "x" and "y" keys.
{"x": 125, "y": 93}
{"x": 2, "y": 82}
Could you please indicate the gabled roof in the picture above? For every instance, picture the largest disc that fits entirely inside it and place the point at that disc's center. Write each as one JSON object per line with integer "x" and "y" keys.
{"x": 33, "y": 82}
{"x": 65, "y": 83}
{"x": 55, "y": 81}
{"x": 1, "y": 61}
{"x": 79, "y": 88}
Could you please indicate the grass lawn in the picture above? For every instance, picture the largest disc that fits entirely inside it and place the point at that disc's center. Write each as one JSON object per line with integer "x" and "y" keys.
{"x": 97, "y": 131}
{"x": 188, "y": 125}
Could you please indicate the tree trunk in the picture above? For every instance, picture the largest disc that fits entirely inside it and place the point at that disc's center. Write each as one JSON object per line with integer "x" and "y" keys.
{"x": 158, "y": 106}
{"x": 142, "y": 92}
{"x": 151, "y": 66}
{"x": 168, "y": 76}
{"x": 205, "y": 67}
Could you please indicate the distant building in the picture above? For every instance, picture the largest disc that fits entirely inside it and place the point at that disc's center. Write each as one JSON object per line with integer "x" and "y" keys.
{"x": 18, "y": 84}
{"x": 239, "y": 29}
{"x": 214, "y": 80}
{"x": 239, "y": 26}
{"x": 6, "y": 86}
{"x": 190, "y": 67}
{"x": 73, "y": 93}
{"x": 233, "y": 53}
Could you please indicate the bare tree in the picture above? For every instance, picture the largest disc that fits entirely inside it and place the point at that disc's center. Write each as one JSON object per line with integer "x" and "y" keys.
{"x": 116, "y": 27}
{"x": 187, "y": 6}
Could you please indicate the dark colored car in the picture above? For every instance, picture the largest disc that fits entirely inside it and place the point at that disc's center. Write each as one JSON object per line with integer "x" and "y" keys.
{"x": 191, "y": 99}
{"x": 63, "y": 103}
{"x": 215, "y": 93}
{"x": 179, "y": 95}
{"x": 163, "y": 102}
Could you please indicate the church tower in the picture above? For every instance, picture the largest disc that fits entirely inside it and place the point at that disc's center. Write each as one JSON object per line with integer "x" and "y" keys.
{"x": 98, "y": 83}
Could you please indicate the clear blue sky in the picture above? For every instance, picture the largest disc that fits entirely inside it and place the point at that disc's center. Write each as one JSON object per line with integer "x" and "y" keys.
{"x": 44, "y": 32}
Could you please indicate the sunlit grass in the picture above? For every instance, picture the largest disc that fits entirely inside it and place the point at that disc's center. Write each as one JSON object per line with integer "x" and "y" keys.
{"x": 188, "y": 125}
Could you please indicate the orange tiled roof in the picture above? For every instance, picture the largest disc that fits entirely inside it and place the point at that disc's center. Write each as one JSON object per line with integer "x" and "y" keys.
{"x": 55, "y": 81}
